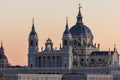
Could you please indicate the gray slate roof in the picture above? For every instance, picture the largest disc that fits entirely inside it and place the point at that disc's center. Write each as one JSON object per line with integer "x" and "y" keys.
{"x": 101, "y": 53}
{"x": 2, "y": 56}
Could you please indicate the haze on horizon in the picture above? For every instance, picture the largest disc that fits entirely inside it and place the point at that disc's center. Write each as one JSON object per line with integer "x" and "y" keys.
{"x": 101, "y": 16}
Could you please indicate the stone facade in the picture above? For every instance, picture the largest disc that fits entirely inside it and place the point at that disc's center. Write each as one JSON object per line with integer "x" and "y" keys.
{"x": 39, "y": 77}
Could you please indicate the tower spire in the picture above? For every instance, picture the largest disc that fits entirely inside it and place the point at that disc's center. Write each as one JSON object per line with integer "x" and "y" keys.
{"x": 79, "y": 17}
{"x": 115, "y": 47}
{"x": 33, "y": 24}
{"x": 33, "y": 20}
{"x": 1, "y": 45}
{"x": 67, "y": 27}
{"x": 33, "y": 28}
{"x": 66, "y": 22}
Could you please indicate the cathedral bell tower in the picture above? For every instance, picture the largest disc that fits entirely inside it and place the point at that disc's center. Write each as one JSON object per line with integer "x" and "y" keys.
{"x": 33, "y": 47}
{"x": 33, "y": 40}
{"x": 67, "y": 48}
{"x": 67, "y": 37}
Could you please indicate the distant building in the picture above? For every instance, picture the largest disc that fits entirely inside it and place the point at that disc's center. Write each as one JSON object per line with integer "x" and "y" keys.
{"x": 3, "y": 58}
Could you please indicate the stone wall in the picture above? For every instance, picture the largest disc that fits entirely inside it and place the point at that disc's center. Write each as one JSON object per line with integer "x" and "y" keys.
{"x": 39, "y": 77}
{"x": 87, "y": 70}
{"x": 58, "y": 77}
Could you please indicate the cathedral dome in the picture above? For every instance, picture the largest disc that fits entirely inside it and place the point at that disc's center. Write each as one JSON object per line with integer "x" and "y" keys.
{"x": 80, "y": 29}
{"x": 2, "y": 56}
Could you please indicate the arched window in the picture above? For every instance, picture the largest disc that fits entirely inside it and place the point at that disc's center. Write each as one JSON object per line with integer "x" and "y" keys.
{"x": 84, "y": 43}
{"x": 31, "y": 65}
{"x": 92, "y": 61}
{"x": 31, "y": 43}
{"x": 65, "y": 65}
{"x": 65, "y": 42}
{"x": 79, "y": 44}
{"x": 99, "y": 60}
{"x": 75, "y": 42}
{"x": 82, "y": 51}
{"x": 82, "y": 60}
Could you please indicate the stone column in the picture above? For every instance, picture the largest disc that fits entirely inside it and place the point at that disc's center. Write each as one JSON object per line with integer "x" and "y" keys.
{"x": 36, "y": 61}
{"x": 51, "y": 61}
{"x": 46, "y": 61}
{"x": 55, "y": 62}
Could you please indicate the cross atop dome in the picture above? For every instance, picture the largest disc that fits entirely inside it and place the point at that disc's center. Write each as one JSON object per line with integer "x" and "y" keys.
{"x": 79, "y": 17}
{"x": 80, "y": 6}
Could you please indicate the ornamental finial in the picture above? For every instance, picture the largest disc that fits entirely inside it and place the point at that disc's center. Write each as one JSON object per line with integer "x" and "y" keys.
{"x": 66, "y": 20}
{"x": 114, "y": 45}
{"x": 33, "y": 20}
{"x": 79, "y": 6}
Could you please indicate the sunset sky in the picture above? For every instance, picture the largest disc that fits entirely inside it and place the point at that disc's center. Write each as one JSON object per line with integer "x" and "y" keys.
{"x": 101, "y": 16}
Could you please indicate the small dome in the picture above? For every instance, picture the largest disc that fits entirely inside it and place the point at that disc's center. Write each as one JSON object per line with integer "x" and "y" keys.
{"x": 2, "y": 56}
{"x": 80, "y": 29}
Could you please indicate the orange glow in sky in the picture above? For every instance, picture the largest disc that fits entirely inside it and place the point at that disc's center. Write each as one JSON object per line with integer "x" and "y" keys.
{"x": 101, "y": 16}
